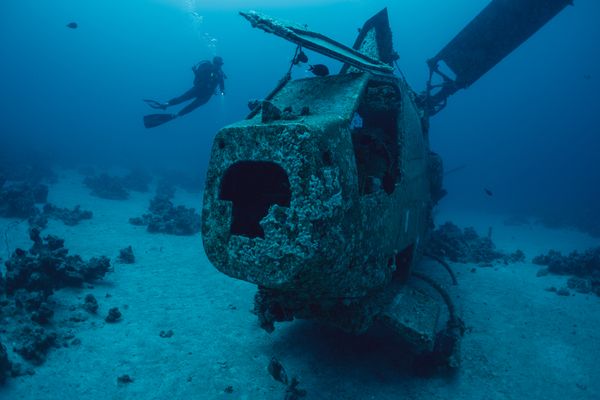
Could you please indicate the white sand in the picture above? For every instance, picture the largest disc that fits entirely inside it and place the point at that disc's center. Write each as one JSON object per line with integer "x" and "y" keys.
{"x": 525, "y": 342}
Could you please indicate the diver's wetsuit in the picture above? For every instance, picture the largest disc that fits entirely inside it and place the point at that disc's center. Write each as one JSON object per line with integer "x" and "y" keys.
{"x": 208, "y": 77}
{"x": 200, "y": 95}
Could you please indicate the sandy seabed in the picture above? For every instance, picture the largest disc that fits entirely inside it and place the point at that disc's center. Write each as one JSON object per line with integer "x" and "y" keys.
{"x": 524, "y": 342}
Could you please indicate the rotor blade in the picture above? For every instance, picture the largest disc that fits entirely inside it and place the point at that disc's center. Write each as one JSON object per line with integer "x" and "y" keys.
{"x": 499, "y": 29}
{"x": 317, "y": 42}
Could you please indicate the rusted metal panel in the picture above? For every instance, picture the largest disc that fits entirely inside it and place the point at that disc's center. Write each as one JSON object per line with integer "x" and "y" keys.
{"x": 317, "y": 42}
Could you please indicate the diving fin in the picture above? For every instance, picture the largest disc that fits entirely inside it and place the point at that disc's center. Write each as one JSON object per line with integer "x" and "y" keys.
{"x": 152, "y": 120}
{"x": 156, "y": 104}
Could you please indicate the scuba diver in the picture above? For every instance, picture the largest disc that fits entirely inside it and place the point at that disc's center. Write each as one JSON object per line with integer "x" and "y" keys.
{"x": 207, "y": 76}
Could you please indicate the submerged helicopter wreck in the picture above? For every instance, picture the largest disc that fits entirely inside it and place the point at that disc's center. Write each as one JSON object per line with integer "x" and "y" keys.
{"x": 323, "y": 195}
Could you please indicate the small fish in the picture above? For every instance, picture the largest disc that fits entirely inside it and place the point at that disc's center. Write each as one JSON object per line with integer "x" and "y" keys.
{"x": 301, "y": 58}
{"x": 587, "y": 77}
{"x": 319, "y": 69}
{"x": 72, "y": 25}
{"x": 488, "y": 192}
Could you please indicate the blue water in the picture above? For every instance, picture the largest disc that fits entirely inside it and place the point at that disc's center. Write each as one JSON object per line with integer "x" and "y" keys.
{"x": 527, "y": 130}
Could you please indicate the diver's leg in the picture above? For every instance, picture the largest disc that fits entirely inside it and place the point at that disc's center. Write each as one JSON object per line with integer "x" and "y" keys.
{"x": 193, "y": 105}
{"x": 190, "y": 94}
